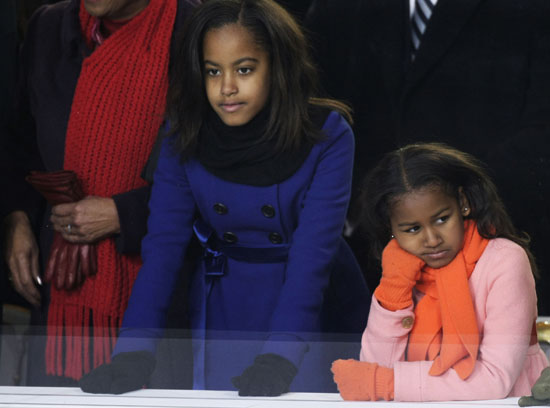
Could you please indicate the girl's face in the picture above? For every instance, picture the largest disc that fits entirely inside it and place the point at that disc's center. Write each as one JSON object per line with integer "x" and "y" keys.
{"x": 429, "y": 224}
{"x": 115, "y": 9}
{"x": 237, "y": 76}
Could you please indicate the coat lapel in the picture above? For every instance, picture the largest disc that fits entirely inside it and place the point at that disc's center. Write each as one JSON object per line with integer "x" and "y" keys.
{"x": 448, "y": 18}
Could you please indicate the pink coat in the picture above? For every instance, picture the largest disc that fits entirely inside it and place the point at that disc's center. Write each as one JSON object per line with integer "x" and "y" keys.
{"x": 503, "y": 292}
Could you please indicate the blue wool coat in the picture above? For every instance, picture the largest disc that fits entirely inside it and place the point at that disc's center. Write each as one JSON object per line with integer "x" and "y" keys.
{"x": 276, "y": 277}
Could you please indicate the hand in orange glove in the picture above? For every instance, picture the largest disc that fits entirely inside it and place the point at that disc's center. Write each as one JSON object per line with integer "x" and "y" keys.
{"x": 400, "y": 271}
{"x": 362, "y": 381}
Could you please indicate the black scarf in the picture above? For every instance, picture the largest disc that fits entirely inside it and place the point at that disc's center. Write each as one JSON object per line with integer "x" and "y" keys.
{"x": 240, "y": 155}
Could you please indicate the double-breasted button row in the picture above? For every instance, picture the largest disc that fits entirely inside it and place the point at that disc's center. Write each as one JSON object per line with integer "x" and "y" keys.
{"x": 267, "y": 210}
{"x": 231, "y": 238}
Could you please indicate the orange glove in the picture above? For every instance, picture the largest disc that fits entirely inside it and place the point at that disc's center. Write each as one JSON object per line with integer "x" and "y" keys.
{"x": 362, "y": 381}
{"x": 400, "y": 271}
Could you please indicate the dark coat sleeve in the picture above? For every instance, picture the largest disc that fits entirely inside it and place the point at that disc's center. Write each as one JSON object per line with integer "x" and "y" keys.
{"x": 132, "y": 215}
{"x": 20, "y": 152}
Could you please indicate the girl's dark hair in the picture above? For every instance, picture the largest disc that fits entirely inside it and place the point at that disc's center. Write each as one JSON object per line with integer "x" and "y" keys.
{"x": 418, "y": 166}
{"x": 293, "y": 76}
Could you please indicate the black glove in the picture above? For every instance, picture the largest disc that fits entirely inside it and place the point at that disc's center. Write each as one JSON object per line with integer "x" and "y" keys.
{"x": 126, "y": 372}
{"x": 540, "y": 391}
{"x": 269, "y": 376}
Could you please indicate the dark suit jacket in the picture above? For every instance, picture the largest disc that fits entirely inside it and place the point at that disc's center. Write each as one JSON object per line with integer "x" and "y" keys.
{"x": 480, "y": 82}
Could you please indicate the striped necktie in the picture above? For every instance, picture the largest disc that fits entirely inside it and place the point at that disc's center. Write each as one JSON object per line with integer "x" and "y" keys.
{"x": 422, "y": 12}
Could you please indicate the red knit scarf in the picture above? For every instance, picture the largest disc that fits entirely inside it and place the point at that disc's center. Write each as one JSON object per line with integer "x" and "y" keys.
{"x": 116, "y": 112}
{"x": 445, "y": 328}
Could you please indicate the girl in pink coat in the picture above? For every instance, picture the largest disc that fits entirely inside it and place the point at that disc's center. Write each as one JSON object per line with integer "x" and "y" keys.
{"x": 453, "y": 317}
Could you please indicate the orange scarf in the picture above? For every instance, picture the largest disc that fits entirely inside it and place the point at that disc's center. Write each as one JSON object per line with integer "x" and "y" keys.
{"x": 445, "y": 329}
{"x": 116, "y": 112}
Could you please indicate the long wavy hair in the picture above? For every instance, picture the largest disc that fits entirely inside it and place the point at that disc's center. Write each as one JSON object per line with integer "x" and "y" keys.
{"x": 293, "y": 76}
{"x": 418, "y": 166}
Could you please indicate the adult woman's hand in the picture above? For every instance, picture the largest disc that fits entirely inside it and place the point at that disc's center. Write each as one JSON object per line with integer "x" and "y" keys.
{"x": 21, "y": 253}
{"x": 86, "y": 221}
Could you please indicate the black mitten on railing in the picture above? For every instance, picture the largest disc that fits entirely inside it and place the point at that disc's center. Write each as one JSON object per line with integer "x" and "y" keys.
{"x": 269, "y": 376}
{"x": 126, "y": 372}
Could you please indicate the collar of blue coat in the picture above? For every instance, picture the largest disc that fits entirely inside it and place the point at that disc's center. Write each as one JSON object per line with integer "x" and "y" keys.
{"x": 240, "y": 155}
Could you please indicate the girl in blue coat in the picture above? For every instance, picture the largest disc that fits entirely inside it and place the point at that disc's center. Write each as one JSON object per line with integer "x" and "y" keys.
{"x": 259, "y": 171}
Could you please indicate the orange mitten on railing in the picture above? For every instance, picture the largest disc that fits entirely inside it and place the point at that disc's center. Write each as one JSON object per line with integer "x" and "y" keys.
{"x": 362, "y": 381}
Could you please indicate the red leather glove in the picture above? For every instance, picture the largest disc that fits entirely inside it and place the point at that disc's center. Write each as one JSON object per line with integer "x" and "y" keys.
{"x": 57, "y": 187}
{"x": 400, "y": 271}
{"x": 68, "y": 264}
{"x": 362, "y": 381}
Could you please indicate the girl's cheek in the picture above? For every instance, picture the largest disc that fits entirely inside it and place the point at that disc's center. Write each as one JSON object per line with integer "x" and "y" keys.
{"x": 408, "y": 243}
